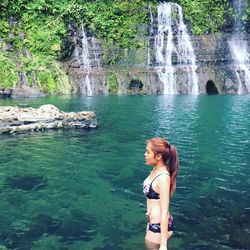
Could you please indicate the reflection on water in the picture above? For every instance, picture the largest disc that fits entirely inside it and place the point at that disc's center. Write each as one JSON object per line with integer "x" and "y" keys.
{"x": 77, "y": 189}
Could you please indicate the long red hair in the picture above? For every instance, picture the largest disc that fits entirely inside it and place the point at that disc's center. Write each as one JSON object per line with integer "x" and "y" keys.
{"x": 169, "y": 155}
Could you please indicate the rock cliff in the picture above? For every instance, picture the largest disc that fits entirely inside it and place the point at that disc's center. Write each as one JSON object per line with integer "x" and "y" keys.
{"x": 91, "y": 68}
{"x": 135, "y": 70}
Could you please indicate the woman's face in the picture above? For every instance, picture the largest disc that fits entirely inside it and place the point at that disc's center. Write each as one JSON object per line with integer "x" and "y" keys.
{"x": 149, "y": 155}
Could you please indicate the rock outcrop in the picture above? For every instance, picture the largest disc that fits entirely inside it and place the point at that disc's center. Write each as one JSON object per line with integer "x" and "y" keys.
{"x": 16, "y": 119}
{"x": 25, "y": 91}
{"x": 5, "y": 92}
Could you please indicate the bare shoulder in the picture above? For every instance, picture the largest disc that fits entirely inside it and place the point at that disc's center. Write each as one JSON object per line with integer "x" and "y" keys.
{"x": 164, "y": 177}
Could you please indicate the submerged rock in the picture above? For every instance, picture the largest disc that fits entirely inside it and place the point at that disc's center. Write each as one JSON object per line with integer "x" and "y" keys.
{"x": 17, "y": 119}
{"x": 26, "y": 183}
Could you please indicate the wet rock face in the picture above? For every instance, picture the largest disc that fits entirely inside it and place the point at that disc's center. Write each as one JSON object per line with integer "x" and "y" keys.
{"x": 213, "y": 60}
{"x": 25, "y": 91}
{"x": 5, "y": 92}
{"x": 16, "y": 119}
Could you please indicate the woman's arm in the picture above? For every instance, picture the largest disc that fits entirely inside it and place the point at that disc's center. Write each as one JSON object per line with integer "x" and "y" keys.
{"x": 164, "y": 190}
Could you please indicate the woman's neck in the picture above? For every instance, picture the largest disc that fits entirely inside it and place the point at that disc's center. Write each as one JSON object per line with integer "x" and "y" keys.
{"x": 160, "y": 167}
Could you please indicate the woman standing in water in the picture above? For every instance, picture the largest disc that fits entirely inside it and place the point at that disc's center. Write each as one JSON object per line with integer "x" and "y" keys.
{"x": 158, "y": 188}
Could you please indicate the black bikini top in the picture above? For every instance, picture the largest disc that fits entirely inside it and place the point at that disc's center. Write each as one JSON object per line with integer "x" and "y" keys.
{"x": 148, "y": 189}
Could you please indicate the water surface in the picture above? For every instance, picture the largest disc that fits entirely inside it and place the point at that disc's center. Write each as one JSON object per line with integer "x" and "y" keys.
{"x": 82, "y": 189}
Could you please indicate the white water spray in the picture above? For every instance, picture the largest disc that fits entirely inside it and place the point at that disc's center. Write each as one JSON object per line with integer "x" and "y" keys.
{"x": 86, "y": 63}
{"x": 94, "y": 47}
{"x": 151, "y": 33}
{"x": 165, "y": 49}
{"x": 240, "y": 55}
{"x": 186, "y": 54}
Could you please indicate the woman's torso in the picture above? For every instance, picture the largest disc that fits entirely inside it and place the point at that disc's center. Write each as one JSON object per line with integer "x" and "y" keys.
{"x": 153, "y": 204}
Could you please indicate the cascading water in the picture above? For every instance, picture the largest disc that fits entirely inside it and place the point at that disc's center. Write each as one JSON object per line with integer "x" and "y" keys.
{"x": 165, "y": 49}
{"x": 151, "y": 33}
{"x": 85, "y": 63}
{"x": 186, "y": 54}
{"x": 238, "y": 48}
{"x": 76, "y": 53}
{"x": 241, "y": 61}
{"x": 97, "y": 61}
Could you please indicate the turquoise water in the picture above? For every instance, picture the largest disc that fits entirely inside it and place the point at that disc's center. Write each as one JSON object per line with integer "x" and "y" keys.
{"x": 82, "y": 189}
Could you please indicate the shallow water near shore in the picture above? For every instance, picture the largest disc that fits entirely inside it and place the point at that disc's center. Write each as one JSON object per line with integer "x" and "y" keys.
{"x": 82, "y": 189}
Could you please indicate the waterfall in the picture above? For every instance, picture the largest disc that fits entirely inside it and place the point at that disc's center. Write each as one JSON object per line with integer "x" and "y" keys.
{"x": 238, "y": 48}
{"x": 164, "y": 49}
{"x": 168, "y": 30}
{"x": 85, "y": 63}
{"x": 151, "y": 32}
{"x": 186, "y": 54}
{"x": 97, "y": 61}
{"x": 75, "y": 54}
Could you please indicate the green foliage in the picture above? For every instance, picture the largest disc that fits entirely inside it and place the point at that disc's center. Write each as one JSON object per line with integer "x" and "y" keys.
{"x": 44, "y": 38}
{"x": 246, "y": 18}
{"x": 206, "y": 16}
{"x": 112, "y": 83}
{"x": 36, "y": 36}
{"x": 115, "y": 22}
{"x": 4, "y": 27}
{"x": 8, "y": 71}
{"x": 46, "y": 81}
{"x": 45, "y": 73}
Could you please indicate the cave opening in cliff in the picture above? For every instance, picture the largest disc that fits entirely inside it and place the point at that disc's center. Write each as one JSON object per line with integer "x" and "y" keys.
{"x": 211, "y": 88}
{"x": 136, "y": 84}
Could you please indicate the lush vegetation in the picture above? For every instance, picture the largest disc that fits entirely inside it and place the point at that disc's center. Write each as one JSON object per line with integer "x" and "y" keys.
{"x": 206, "y": 16}
{"x": 112, "y": 83}
{"x": 33, "y": 34}
{"x": 35, "y": 30}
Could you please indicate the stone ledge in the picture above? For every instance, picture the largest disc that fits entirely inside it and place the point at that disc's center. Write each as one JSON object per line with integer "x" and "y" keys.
{"x": 16, "y": 119}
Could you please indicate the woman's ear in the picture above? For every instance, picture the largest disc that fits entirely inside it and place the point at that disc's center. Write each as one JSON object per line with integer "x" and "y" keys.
{"x": 158, "y": 157}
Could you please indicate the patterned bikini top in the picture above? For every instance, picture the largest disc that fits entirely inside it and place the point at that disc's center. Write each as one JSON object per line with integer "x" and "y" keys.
{"x": 148, "y": 189}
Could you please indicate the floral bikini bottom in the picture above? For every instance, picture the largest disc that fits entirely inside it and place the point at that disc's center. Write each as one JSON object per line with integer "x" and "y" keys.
{"x": 156, "y": 227}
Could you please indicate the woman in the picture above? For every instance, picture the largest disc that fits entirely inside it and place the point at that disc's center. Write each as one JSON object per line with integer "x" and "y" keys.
{"x": 158, "y": 188}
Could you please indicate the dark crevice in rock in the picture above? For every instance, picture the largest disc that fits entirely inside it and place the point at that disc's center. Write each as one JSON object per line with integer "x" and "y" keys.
{"x": 211, "y": 88}
{"x": 136, "y": 84}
